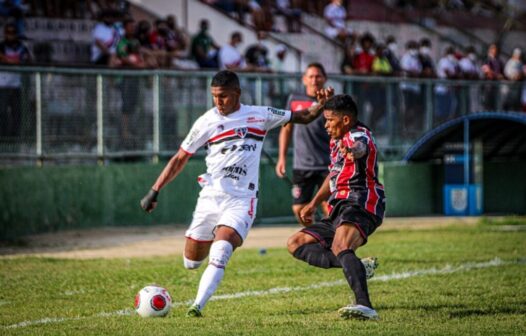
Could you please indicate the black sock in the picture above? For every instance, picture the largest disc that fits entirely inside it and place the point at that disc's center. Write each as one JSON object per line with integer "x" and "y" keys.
{"x": 355, "y": 274}
{"x": 317, "y": 255}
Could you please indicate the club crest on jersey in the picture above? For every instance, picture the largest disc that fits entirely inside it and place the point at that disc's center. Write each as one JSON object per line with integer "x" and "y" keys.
{"x": 241, "y": 132}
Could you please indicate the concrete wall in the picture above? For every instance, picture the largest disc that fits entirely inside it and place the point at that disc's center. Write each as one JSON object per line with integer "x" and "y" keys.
{"x": 35, "y": 200}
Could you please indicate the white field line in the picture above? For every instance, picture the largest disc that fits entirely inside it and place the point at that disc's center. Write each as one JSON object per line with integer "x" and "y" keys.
{"x": 496, "y": 262}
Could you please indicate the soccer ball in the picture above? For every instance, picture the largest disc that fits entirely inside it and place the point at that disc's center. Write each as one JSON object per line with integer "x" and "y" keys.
{"x": 153, "y": 301}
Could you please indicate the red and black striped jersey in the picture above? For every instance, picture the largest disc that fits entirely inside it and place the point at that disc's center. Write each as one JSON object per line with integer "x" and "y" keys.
{"x": 357, "y": 181}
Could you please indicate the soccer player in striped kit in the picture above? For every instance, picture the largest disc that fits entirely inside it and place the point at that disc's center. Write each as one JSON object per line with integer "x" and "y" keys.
{"x": 356, "y": 200}
{"x": 233, "y": 134}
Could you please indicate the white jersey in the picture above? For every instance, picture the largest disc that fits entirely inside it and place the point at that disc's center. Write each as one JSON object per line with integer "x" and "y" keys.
{"x": 234, "y": 143}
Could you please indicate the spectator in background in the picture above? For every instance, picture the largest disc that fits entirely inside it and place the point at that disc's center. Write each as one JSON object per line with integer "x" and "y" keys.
{"x": 446, "y": 100}
{"x": 468, "y": 64}
{"x": 424, "y": 53}
{"x": 281, "y": 54}
{"x": 165, "y": 44}
{"x": 179, "y": 42}
{"x": 350, "y": 51}
{"x": 204, "y": 49}
{"x": 514, "y": 71}
{"x": 336, "y": 21}
{"x": 129, "y": 56}
{"x": 363, "y": 65}
{"x": 15, "y": 9}
{"x": 105, "y": 38}
{"x": 229, "y": 56}
{"x": 381, "y": 67}
{"x": 142, "y": 34}
{"x": 412, "y": 101}
{"x": 12, "y": 51}
{"x": 363, "y": 61}
{"x": 292, "y": 15}
{"x": 129, "y": 47}
{"x": 492, "y": 69}
{"x": 256, "y": 55}
{"x": 391, "y": 53}
{"x": 262, "y": 17}
{"x": 470, "y": 69}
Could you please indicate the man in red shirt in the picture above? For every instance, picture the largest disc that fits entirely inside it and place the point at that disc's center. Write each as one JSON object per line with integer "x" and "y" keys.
{"x": 356, "y": 201}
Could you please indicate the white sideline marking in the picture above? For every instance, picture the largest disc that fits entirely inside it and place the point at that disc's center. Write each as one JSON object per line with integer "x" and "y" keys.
{"x": 496, "y": 262}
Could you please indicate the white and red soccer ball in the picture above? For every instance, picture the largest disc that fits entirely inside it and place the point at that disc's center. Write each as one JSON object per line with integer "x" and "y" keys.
{"x": 153, "y": 301}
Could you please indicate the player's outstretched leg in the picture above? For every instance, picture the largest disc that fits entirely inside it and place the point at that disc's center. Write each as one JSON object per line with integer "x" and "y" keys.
{"x": 316, "y": 255}
{"x": 304, "y": 246}
{"x": 354, "y": 272}
{"x": 220, "y": 253}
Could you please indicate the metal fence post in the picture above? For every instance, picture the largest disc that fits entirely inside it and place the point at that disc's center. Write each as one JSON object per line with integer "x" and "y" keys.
{"x": 259, "y": 91}
{"x": 429, "y": 106}
{"x": 156, "y": 119}
{"x": 38, "y": 93}
{"x": 390, "y": 114}
{"x": 100, "y": 122}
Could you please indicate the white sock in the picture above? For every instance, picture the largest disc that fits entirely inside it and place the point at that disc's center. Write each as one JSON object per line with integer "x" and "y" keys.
{"x": 220, "y": 253}
{"x": 191, "y": 264}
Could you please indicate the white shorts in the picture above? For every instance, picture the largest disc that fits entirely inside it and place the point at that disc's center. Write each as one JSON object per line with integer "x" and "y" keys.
{"x": 217, "y": 208}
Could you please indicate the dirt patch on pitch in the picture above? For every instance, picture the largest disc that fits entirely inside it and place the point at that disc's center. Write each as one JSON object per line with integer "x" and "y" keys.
{"x": 169, "y": 240}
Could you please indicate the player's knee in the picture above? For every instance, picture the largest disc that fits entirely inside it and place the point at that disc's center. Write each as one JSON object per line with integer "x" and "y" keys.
{"x": 220, "y": 253}
{"x": 191, "y": 264}
{"x": 295, "y": 241}
{"x": 338, "y": 247}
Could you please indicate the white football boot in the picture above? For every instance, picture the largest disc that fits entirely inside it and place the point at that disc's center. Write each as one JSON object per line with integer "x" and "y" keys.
{"x": 358, "y": 312}
{"x": 370, "y": 264}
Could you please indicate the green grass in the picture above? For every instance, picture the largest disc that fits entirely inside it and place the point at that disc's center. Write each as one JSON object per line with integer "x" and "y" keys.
{"x": 73, "y": 294}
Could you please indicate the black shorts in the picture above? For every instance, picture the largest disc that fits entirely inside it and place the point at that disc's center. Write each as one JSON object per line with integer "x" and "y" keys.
{"x": 344, "y": 212}
{"x": 306, "y": 182}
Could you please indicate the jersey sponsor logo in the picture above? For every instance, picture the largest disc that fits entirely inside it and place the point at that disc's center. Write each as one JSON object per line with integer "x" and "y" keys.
{"x": 241, "y": 132}
{"x": 277, "y": 111}
{"x": 239, "y": 148}
{"x": 235, "y": 172}
{"x": 251, "y": 120}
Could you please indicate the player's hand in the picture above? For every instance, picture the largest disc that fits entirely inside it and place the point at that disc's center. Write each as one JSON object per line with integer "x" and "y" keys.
{"x": 149, "y": 202}
{"x": 306, "y": 214}
{"x": 324, "y": 94}
{"x": 280, "y": 168}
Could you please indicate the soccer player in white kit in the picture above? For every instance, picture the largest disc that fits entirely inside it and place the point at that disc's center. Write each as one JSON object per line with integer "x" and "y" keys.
{"x": 233, "y": 134}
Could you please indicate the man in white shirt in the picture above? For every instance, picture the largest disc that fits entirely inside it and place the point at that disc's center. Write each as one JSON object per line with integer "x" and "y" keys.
{"x": 446, "y": 100}
{"x": 336, "y": 18}
{"x": 229, "y": 57}
{"x": 104, "y": 40}
{"x": 413, "y": 107}
{"x": 233, "y": 134}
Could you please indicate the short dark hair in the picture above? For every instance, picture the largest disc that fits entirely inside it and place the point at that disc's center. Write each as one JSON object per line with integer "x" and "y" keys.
{"x": 226, "y": 79}
{"x": 319, "y": 66}
{"x": 342, "y": 104}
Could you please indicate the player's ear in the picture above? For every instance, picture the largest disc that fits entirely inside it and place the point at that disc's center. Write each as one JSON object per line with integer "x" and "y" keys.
{"x": 346, "y": 120}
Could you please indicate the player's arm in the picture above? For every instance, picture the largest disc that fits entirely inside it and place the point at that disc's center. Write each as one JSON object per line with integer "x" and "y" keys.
{"x": 170, "y": 171}
{"x": 354, "y": 152}
{"x": 322, "y": 195}
{"x": 308, "y": 115}
{"x": 284, "y": 140}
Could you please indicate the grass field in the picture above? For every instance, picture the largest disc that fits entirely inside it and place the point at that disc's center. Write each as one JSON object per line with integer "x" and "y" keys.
{"x": 446, "y": 281}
